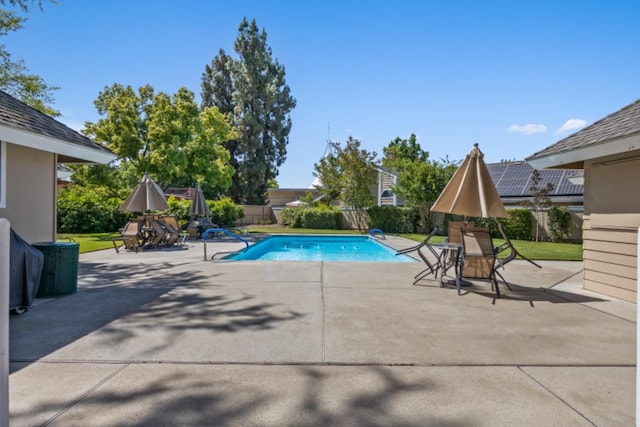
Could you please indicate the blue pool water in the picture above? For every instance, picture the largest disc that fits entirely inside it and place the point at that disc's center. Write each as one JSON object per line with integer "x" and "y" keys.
{"x": 320, "y": 248}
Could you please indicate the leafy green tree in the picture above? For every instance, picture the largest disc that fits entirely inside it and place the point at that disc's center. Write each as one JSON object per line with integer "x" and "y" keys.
{"x": 351, "y": 172}
{"x": 420, "y": 180}
{"x": 25, "y": 4}
{"x": 165, "y": 136}
{"x": 420, "y": 184}
{"x": 539, "y": 200}
{"x": 400, "y": 151}
{"x": 15, "y": 78}
{"x": 252, "y": 90}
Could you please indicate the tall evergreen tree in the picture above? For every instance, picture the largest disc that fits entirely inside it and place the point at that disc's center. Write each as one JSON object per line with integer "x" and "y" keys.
{"x": 258, "y": 107}
{"x": 217, "y": 90}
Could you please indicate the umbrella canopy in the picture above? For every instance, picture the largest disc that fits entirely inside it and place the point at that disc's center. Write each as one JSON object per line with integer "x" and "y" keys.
{"x": 471, "y": 191}
{"x": 199, "y": 205}
{"x": 146, "y": 196}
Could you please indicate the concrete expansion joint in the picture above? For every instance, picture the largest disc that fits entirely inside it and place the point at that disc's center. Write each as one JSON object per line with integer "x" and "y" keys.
{"x": 322, "y": 310}
{"x": 83, "y": 396}
{"x": 126, "y": 363}
{"x": 556, "y": 396}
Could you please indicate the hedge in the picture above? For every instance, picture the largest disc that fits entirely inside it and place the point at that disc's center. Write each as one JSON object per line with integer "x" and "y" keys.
{"x": 93, "y": 210}
{"x": 392, "y": 219}
{"x": 324, "y": 218}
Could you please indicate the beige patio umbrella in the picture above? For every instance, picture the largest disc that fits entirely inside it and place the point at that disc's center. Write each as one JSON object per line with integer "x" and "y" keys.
{"x": 470, "y": 191}
{"x": 146, "y": 196}
{"x": 199, "y": 205}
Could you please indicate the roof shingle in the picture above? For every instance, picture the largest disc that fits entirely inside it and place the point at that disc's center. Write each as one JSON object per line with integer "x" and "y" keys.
{"x": 16, "y": 114}
{"x": 622, "y": 123}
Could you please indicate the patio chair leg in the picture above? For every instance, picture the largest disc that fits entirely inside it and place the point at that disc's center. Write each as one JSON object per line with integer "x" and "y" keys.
{"x": 495, "y": 281}
{"x": 505, "y": 282}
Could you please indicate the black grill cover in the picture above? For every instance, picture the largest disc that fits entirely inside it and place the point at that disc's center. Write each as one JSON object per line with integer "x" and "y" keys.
{"x": 25, "y": 268}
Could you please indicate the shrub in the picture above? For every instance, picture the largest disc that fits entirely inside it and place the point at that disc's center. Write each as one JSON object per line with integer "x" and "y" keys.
{"x": 518, "y": 225}
{"x": 224, "y": 212}
{"x": 291, "y": 217}
{"x": 322, "y": 217}
{"x": 89, "y": 210}
{"x": 559, "y": 220}
{"x": 326, "y": 218}
{"x": 392, "y": 219}
{"x": 179, "y": 209}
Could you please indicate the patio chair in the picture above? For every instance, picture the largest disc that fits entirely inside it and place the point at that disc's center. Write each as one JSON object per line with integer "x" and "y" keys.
{"x": 478, "y": 256}
{"x": 156, "y": 233}
{"x": 453, "y": 236}
{"x": 432, "y": 267}
{"x": 129, "y": 237}
{"x": 513, "y": 253}
{"x": 171, "y": 224}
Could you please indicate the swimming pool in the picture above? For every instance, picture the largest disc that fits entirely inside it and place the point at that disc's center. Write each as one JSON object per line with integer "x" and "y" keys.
{"x": 320, "y": 248}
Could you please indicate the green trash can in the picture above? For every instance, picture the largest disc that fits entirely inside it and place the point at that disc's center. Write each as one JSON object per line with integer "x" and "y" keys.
{"x": 60, "y": 269}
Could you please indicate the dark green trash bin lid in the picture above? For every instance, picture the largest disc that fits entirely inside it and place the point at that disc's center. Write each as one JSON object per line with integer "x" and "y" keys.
{"x": 60, "y": 269}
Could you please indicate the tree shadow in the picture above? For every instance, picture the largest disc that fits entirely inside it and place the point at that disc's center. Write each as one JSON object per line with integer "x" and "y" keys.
{"x": 125, "y": 300}
{"x": 181, "y": 395}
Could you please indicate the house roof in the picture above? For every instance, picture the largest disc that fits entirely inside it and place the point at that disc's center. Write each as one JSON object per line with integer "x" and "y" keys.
{"x": 21, "y": 124}
{"x": 616, "y": 133}
{"x": 513, "y": 179}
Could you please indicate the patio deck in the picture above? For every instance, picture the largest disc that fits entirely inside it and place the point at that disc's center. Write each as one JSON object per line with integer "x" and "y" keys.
{"x": 166, "y": 338}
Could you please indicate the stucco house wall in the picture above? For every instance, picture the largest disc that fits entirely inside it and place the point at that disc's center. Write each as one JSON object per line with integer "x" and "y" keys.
{"x": 30, "y": 193}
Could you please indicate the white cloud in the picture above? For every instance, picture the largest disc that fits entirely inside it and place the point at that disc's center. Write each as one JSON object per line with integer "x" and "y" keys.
{"x": 529, "y": 129}
{"x": 572, "y": 124}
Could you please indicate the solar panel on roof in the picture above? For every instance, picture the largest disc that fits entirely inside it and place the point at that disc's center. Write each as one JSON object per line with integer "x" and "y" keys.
{"x": 514, "y": 180}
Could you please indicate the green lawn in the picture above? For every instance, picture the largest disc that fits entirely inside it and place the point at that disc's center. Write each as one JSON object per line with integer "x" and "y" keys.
{"x": 90, "y": 242}
{"x": 532, "y": 250}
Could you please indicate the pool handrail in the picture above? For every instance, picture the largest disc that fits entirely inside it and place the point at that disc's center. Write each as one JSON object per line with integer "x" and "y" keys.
{"x": 373, "y": 232}
{"x": 220, "y": 230}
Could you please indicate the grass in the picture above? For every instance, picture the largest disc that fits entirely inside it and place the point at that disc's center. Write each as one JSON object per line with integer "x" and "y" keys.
{"x": 89, "y": 242}
{"x": 532, "y": 250}
{"x": 538, "y": 251}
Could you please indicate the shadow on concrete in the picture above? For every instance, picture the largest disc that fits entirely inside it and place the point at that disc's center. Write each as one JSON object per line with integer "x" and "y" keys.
{"x": 111, "y": 292}
{"x": 179, "y": 399}
{"x": 528, "y": 294}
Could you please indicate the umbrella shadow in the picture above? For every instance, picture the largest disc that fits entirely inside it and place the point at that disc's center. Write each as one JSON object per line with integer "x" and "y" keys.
{"x": 515, "y": 292}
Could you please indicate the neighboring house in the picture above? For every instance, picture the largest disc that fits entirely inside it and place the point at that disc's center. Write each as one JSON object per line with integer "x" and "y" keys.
{"x": 31, "y": 146}
{"x": 381, "y": 191}
{"x": 609, "y": 153}
{"x": 63, "y": 176}
{"x": 182, "y": 193}
{"x": 513, "y": 180}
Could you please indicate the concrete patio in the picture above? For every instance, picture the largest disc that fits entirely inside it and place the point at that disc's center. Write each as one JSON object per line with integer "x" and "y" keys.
{"x": 165, "y": 338}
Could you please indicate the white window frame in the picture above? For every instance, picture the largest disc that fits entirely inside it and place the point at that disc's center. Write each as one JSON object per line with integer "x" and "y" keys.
{"x": 3, "y": 174}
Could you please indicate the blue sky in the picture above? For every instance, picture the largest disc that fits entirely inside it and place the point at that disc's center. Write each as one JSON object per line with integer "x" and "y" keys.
{"x": 514, "y": 76}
